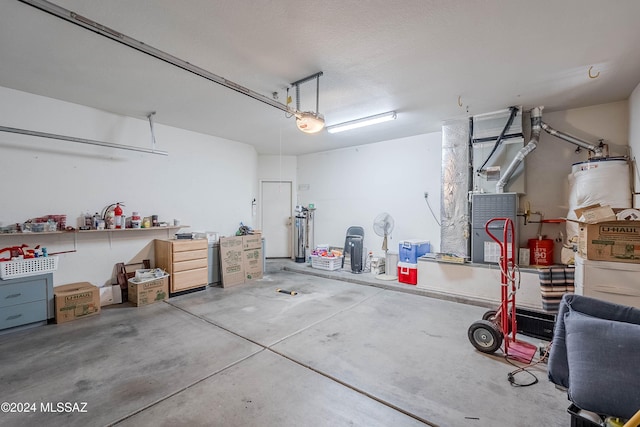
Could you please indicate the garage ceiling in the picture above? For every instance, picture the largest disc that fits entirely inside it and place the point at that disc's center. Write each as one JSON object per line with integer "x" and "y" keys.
{"x": 428, "y": 60}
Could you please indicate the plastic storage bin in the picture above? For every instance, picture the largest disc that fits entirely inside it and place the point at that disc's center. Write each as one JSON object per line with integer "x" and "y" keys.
{"x": 28, "y": 267}
{"x": 410, "y": 250}
{"x": 408, "y": 273}
{"x": 326, "y": 263}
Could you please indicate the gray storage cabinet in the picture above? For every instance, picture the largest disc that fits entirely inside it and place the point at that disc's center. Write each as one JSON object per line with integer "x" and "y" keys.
{"x": 26, "y": 300}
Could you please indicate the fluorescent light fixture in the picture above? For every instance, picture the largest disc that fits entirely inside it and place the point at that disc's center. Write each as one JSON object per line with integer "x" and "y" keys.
{"x": 365, "y": 121}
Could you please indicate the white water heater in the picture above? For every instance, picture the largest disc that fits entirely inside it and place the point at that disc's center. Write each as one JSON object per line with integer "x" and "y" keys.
{"x": 605, "y": 181}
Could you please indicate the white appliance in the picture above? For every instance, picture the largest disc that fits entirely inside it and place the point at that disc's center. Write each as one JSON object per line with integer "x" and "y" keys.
{"x": 617, "y": 282}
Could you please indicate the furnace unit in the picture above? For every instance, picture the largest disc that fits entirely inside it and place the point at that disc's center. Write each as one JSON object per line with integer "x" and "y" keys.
{"x": 485, "y": 206}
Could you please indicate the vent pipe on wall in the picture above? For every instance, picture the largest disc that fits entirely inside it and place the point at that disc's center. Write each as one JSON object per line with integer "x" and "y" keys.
{"x": 597, "y": 149}
{"x": 536, "y": 125}
{"x": 536, "y": 120}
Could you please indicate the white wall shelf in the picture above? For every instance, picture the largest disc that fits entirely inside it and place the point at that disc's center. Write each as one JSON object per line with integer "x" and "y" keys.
{"x": 122, "y": 230}
{"x": 110, "y": 233}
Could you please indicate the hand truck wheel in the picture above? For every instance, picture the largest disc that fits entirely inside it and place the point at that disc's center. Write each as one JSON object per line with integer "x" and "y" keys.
{"x": 491, "y": 316}
{"x": 485, "y": 336}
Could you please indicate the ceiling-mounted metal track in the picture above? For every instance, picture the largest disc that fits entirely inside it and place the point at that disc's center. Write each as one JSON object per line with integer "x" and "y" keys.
{"x": 81, "y": 140}
{"x": 88, "y": 24}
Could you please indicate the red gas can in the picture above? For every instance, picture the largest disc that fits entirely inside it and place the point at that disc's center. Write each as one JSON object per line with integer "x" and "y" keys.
{"x": 541, "y": 251}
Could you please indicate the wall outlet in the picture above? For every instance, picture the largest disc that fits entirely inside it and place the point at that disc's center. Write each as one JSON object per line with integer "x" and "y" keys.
{"x": 426, "y": 194}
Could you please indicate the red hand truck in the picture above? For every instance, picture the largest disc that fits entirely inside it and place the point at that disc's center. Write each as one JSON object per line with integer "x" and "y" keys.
{"x": 496, "y": 326}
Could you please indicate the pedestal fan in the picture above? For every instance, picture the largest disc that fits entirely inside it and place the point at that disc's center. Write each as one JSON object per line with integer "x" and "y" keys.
{"x": 383, "y": 226}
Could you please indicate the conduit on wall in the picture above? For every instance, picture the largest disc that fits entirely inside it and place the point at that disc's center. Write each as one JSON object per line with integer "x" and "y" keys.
{"x": 82, "y": 140}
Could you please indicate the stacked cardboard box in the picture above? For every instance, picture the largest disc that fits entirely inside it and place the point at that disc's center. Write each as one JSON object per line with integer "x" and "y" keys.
{"x": 603, "y": 238}
{"x": 252, "y": 256}
{"x": 147, "y": 291}
{"x": 241, "y": 259}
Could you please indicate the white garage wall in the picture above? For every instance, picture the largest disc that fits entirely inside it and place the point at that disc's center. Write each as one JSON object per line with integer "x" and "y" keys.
{"x": 276, "y": 168}
{"x": 351, "y": 186}
{"x": 201, "y": 182}
{"x": 634, "y": 136}
{"x": 204, "y": 185}
{"x": 549, "y": 165}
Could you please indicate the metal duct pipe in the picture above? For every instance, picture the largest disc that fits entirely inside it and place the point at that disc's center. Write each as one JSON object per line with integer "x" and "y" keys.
{"x": 454, "y": 202}
{"x": 572, "y": 139}
{"x": 536, "y": 124}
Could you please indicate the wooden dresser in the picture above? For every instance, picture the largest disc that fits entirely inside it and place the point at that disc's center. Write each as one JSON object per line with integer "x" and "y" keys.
{"x": 185, "y": 260}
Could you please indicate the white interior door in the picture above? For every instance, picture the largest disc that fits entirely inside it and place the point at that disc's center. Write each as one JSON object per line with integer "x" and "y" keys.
{"x": 276, "y": 218}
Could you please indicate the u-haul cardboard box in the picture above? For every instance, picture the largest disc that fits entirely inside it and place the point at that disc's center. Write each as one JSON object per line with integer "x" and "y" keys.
{"x": 252, "y": 260}
{"x": 76, "y": 300}
{"x": 252, "y": 241}
{"x": 231, "y": 264}
{"x": 147, "y": 291}
{"x": 603, "y": 239}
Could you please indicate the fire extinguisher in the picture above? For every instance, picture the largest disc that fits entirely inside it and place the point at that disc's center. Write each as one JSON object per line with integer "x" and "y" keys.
{"x": 118, "y": 214}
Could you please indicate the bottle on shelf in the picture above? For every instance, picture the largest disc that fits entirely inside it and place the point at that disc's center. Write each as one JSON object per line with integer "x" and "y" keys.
{"x": 96, "y": 220}
{"x": 88, "y": 220}
{"x": 117, "y": 211}
{"x": 110, "y": 220}
{"x": 135, "y": 220}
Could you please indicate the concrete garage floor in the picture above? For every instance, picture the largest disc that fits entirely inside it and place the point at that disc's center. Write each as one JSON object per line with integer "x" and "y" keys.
{"x": 336, "y": 354}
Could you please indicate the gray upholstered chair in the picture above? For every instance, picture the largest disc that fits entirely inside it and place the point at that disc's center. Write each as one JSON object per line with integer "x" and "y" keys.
{"x": 595, "y": 355}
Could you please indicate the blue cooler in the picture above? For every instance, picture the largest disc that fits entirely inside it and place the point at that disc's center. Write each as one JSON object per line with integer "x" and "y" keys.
{"x": 410, "y": 250}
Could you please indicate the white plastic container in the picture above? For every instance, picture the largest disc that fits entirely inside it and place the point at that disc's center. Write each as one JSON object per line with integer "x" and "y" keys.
{"x": 617, "y": 282}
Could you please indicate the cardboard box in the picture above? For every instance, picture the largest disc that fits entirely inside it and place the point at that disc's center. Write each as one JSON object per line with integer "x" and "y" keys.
{"x": 76, "y": 300}
{"x": 252, "y": 241}
{"x": 377, "y": 265}
{"x": 378, "y": 269}
{"x": 617, "y": 241}
{"x": 110, "y": 294}
{"x": 147, "y": 291}
{"x": 602, "y": 238}
{"x": 595, "y": 213}
{"x": 231, "y": 265}
{"x": 252, "y": 260}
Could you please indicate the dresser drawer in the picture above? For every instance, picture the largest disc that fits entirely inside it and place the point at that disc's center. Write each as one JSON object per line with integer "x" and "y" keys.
{"x": 20, "y": 293}
{"x": 189, "y": 245}
{"x": 22, "y": 314}
{"x": 188, "y": 279}
{"x": 189, "y": 255}
{"x": 189, "y": 265}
